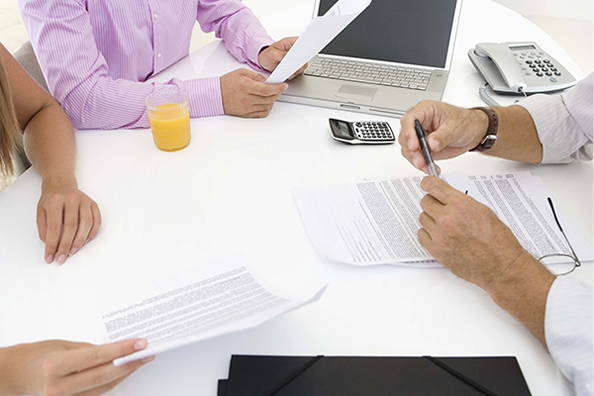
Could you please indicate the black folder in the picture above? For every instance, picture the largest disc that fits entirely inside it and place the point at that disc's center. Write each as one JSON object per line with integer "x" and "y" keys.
{"x": 371, "y": 376}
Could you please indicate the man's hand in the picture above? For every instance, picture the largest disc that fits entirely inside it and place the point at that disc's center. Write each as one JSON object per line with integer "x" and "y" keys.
{"x": 66, "y": 220}
{"x": 465, "y": 235}
{"x": 66, "y": 368}
{"x": 451, "y": 131}
{"x": 270, "y": 57}
{"x": 469, "y": 239}
{"x": 246, "y": 95}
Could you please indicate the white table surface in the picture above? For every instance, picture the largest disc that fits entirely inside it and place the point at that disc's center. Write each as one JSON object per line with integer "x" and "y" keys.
{"x": 230, "y": 192}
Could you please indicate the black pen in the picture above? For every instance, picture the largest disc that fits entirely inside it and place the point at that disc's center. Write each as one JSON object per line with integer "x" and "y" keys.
{"x": 425, "y": 148}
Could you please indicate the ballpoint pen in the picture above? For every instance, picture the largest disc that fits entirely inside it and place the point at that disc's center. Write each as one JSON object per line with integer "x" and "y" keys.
{"x": 425, "y": 148}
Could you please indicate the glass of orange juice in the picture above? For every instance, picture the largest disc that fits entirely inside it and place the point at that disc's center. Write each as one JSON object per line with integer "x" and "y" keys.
{"x": 169, "y": 115}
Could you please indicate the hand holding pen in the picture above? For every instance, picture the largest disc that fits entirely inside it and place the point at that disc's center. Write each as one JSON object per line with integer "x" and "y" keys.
{"x": 425, "y": 149}
{"x": 450, "y": 131}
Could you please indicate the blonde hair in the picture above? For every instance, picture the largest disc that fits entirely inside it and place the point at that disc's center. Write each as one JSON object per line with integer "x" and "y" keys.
{"x": 9, "y": 126}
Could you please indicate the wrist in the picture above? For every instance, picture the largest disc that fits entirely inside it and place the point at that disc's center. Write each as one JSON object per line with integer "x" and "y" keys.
{"x": 58, "y": 181}
{"x": 10, "y": 378}
{"x": 480, "y": 120}
{"x": 525, "y": 279}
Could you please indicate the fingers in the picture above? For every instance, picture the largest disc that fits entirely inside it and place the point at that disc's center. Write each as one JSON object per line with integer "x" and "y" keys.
{"x": 99, "y": 379}
{"x": 69, "y": 229}
{"x": 41, "y": 223}
{"x": 55, "y": 212}
{"x": 286, "y": 43}
{"x": 93, "y": 356}
{"x": 85, "y": 224}
{"x": 66, "y": 220}
{"x": 409, "y": 142}
{"x": 439, "y": 189}
{"x": 431, "y": 206}
{"x": 104, "y": 388}
{"x": 298, "y": 72}
{"x": 245, "y": 94}
{"x": 96, "y": 223}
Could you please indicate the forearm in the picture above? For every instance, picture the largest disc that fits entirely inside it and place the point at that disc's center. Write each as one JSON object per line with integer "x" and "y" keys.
{"x": 522, "y": 290}
{"x": 517, "y": 137}
{"x": 9, "y": 379}
{"x": 241, "y": 31}
{"x": 50, "y": 146}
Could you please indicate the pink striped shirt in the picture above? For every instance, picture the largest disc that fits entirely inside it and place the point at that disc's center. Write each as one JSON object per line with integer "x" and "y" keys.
{"x": 96, "y": 55}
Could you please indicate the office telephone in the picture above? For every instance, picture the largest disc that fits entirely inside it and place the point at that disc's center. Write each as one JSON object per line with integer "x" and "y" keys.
{"x": 519, "y": 67}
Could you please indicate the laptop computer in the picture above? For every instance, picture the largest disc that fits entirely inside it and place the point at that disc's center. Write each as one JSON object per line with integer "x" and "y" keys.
{"x": 395, "y": 54}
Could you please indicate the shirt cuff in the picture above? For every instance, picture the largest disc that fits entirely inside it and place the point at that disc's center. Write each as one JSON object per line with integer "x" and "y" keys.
{"x": 206, "y": 99}
{"x": 569, "y": 329}
{"x": 253, "y": 50}
{"x": 554, "y": 125}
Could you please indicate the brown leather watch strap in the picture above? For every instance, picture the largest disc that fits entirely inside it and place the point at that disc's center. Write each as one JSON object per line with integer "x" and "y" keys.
{"x": 491, "y": 135}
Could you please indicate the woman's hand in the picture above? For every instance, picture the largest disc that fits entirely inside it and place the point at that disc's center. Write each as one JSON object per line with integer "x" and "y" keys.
{"x": 66, "y": 220}
{"x": 66, "y": 368}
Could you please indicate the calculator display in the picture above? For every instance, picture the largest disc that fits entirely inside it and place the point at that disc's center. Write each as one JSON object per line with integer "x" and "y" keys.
{"x": 342, "y": 129}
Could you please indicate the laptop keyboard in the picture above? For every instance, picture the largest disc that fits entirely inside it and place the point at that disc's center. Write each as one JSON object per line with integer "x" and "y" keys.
{"x": 396, "y": 76}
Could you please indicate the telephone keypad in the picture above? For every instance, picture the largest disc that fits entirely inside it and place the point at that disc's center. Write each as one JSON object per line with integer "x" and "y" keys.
{"x": 539, "y": 67}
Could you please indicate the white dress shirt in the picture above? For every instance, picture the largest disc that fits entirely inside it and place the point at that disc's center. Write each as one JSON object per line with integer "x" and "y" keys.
{"x": 564, "y": 123}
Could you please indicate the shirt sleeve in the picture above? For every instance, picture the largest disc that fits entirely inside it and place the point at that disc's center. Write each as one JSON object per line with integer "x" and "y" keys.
{"x": 242, "y": 33}
{"x": 569, "y": 332}
{"x": 77, "y": 73}
{"x": 564, "y": 123}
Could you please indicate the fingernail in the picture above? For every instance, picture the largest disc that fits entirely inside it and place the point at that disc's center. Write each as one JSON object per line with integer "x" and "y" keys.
{"x": 410, "y": 145}
{"x": 49, "y": 259}
{"x": 140, "y": 344}
{"x": 286, "y": 86}
{"x": 87, "y": 241}
{"x": 62, "y": 259}
{"x": 148, "y": 359}
{"x": 416, "y": 162}
{"x": 72, "y": 251}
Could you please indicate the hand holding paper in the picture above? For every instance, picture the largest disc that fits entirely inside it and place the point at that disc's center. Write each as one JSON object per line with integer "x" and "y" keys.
{"x": 316, "y": 36}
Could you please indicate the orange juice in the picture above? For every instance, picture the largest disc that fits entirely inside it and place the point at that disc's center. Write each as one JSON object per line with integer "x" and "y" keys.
{"x": 169, "y": 115}
{"x": 170, "y": 124}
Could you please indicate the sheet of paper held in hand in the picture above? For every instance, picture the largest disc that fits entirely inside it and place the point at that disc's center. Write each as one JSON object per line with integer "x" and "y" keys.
{"x": 199, "y": 309}
{"x": 376, "y": 222}
{"x": 319, "y": 32}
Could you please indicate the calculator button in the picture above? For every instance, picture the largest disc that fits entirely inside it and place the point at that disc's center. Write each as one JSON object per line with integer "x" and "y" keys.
{"x": 544, "y": 69}
{"x": 539, "y": 74}
{"x": 545, "y": 60}
{"x": 537, "y": 61}
{"x": 549, "y": 73}
{"x": 557, "y": 73}
{"x": 553, "y": 69}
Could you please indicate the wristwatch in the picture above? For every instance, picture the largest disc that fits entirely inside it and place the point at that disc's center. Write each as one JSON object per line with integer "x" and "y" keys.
{"x": 491, "y": 135}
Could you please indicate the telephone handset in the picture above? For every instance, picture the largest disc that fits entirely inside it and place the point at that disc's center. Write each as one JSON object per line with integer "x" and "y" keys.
{"x": 519, "y": 67}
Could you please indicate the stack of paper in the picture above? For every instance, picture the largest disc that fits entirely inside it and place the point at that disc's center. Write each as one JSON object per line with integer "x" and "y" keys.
{"x": 376, "y": 222}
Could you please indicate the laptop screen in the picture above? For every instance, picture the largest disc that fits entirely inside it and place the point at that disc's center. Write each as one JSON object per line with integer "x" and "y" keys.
{"x": 405, "y": 31}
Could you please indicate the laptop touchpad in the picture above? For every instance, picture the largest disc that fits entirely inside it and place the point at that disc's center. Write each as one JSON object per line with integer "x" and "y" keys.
{"x": 356, "y": 92}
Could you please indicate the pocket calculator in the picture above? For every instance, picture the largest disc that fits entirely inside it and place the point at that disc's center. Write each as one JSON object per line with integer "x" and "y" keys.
{"x": 361, "y": 132}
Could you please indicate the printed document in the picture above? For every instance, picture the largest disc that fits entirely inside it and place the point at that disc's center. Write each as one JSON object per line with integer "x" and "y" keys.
{"x": 376, "y": 222}
{"x": 319, "y": 32}
{"x": 200, "y": 309}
